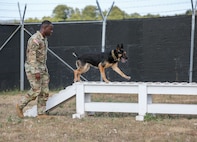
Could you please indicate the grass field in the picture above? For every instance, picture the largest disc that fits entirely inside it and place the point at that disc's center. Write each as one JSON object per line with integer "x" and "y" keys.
{"x": 102, "y": 127}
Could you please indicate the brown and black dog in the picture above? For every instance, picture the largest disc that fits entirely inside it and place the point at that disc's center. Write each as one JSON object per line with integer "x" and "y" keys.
{"x": 101, "y": 61}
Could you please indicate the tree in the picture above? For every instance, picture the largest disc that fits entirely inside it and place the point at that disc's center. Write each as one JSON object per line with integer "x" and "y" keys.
{"x": 90, "y": 13}
{"x": 31, "y": 20}
{"x": 188, "y": 12}
{"x": 117, "y": 13}
{"x": 49, "y": 18}
{"x": 76, "y": 15}
{"x": 135, "y": 15}
{"x": 62, "y": 12}
{"x": 151, "y": 16}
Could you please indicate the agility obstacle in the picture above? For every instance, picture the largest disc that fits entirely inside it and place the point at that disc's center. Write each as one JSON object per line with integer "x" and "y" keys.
{"x": 84, "y": 90}
{"x": 54, "y": 100}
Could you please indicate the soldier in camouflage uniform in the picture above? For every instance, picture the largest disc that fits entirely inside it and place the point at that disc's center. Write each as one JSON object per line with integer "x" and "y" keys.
{"x": 36, "y": 70}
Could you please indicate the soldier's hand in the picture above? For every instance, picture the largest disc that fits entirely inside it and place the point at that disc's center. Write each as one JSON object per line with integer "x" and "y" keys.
{"x": 37, "y": 75}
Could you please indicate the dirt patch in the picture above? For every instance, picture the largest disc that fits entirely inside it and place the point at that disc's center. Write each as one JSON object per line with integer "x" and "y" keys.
{"x": 102, "y": 127}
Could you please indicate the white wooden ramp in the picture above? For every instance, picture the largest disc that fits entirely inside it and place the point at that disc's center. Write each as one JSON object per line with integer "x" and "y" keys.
{"x": 54, "y": 100}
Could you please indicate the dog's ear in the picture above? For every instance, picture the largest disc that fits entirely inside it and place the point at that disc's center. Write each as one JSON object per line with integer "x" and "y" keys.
{"x": 118, "y": 46}
{"x": 121, "y": 45}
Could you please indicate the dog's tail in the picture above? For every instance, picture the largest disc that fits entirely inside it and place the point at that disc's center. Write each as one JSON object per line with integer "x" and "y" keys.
{"x": 75, "y": 54}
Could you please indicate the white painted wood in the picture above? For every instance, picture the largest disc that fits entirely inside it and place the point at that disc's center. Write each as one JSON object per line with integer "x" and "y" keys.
{"x": 59, "y": 98}
{"x": 110, "y": 87}
{"x": 144, "y": 91}
{"x": 80, "y": 100}
{"x": 172, "y": 88}
{"x": 142, "y": 100}
{"x": 139, "y": 118}
{"x": 54, "y": 100}
{"x": 31, "y": 112}
{"x": 78, "y": 115}
{"x": 111, "y": 107}
{"x": 172, "y": 108}
{"x": 84, "y": 91}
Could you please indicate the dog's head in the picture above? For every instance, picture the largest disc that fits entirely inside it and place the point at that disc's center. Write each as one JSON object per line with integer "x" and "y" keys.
{"x": 120, "y": 53}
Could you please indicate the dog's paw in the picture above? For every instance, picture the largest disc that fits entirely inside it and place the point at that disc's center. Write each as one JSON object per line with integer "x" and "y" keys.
{"x": 128, "y": 77}
{"x": 75, "y": 81}
{"x": 106, "y": 81}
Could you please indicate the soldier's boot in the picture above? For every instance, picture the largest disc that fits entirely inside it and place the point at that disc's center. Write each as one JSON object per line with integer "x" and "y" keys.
{"x": 19, "y": 111}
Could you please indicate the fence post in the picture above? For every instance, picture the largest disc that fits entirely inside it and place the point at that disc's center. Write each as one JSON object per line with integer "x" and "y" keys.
{"x": 80, "y": 101}
{"x": 22, "y": 48}
{"x": 142, "y": 101}
{"x": 104, "y": 24}
{"x": 192, "y": 40}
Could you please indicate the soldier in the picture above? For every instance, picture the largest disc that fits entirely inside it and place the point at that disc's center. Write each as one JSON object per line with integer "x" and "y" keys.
{"x": 36, "y": 70}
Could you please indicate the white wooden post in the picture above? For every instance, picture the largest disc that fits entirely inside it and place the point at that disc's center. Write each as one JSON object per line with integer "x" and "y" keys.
{"x": 142, "y": 101}
{"x": 80, "y": 101}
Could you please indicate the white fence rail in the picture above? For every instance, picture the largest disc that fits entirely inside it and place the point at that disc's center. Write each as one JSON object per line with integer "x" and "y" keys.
{"x": 145, "y": 90}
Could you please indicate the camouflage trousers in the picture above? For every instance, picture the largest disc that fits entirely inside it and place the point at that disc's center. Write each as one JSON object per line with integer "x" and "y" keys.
{"x": 39, "y": 89}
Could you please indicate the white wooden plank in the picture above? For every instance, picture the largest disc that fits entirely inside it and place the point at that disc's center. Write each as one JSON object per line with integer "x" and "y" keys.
{"x": 172, "y": 108}
{"x": 111, "y": 89}
{"x": 60, "y": 97}
{"x": 180, "y": 90}
{"x": 111, "y": 107}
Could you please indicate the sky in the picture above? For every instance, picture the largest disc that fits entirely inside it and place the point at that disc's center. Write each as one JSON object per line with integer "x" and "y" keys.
{"x": 39, "y": 8}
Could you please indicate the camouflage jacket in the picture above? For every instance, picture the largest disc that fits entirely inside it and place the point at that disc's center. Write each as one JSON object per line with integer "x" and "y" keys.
{"x": 36, "y": 53}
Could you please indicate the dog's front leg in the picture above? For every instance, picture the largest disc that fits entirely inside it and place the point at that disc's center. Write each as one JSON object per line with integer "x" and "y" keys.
{"x": 102, "y": 71}
{"x": 117, "y": 69}
{"x": 76, "y": 76}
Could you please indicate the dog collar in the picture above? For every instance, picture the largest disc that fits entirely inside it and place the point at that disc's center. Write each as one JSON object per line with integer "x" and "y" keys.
{"x": 113, "y": 55}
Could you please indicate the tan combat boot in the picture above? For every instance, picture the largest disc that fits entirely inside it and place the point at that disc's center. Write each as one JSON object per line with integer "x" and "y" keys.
{"x": 19, "y": 111}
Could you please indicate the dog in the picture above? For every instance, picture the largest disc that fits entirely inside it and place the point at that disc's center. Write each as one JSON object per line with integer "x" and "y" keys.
{"x": 101, "y": 61}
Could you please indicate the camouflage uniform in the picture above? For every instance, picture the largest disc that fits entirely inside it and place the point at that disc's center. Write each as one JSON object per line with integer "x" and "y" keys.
{"x": 36, "y": 63}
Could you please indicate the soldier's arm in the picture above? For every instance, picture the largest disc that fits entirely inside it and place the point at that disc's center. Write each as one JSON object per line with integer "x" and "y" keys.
{"x": 32, "y": 49}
